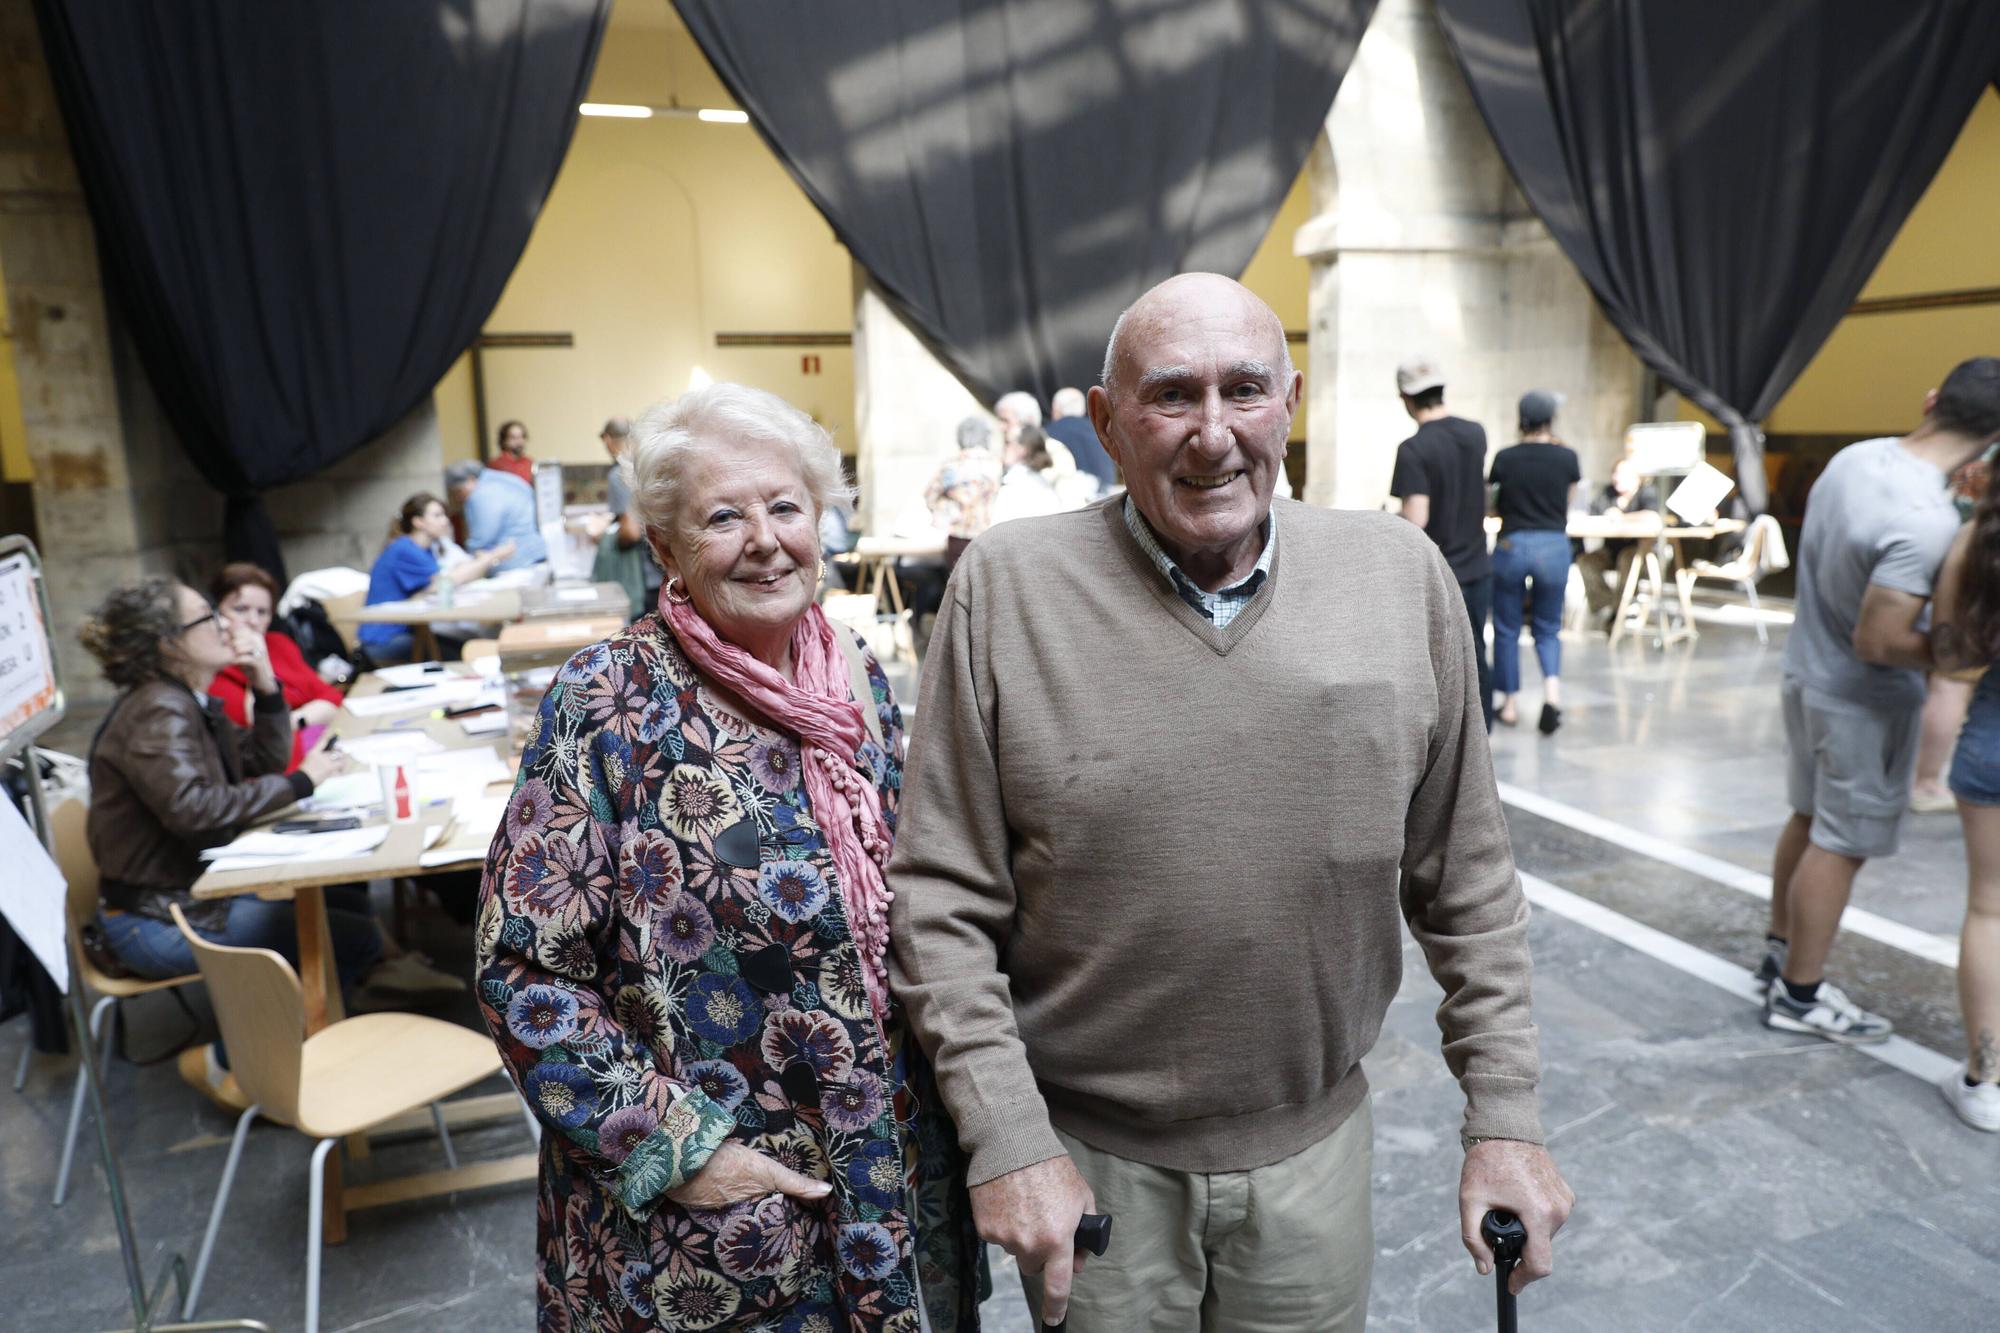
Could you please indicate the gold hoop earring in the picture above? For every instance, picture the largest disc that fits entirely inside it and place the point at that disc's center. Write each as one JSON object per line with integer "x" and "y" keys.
{"x": 668, "y": 592}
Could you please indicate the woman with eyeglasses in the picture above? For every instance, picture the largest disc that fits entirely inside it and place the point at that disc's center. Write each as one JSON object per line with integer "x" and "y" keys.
{"x": 170, "y": 774}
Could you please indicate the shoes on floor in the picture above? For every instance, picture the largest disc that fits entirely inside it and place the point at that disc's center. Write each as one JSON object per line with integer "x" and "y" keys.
{"x": 202, "y": 1072}
{"x": 1977, "y": 1105}
{"x": 1932, "y": 802}
{"x": 1773, "y": 965}
{"x": 1506, "y": 721}
{"x": 1829, "y": 1014}
{"x": 1552, "y": 717}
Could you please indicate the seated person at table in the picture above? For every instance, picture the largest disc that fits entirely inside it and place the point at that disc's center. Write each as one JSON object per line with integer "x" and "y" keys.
{"x": 170, "y": 775}
{"x": 1626, "y": 494}
{"x": 499, "y": 511}
{"x": 245, "y": 596}
{"x": 408, "y": 566}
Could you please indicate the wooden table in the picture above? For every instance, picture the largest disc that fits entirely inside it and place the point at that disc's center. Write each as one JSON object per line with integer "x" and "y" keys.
{"x": 495, "y": 606}
{"x": 873, "y": 562}
{"x": 1655, "y": 564}
{"x": 399, "y": 856}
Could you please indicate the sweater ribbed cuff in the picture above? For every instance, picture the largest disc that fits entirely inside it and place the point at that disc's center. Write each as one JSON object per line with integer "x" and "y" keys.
{"x": 1011, "y": 1137}
{"x": 1499, "y": 1107}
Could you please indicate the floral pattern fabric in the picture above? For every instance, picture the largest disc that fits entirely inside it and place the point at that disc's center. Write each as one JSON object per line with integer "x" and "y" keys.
{"x": 665, "y": 962}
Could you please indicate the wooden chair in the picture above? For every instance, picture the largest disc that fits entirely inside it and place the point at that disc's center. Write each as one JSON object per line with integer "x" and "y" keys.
{"x": 72, "y": 846}
{"x": 1763, "y": 551}
{"x": 340, "y": 612}
{"x": 475, "y": 648}
{"x": 345, "y": 1079}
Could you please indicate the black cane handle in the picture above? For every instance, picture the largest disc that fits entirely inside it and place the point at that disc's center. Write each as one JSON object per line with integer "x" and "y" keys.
{"x": 1093, "y": 1233}
{"x": 1505, "y": 1236}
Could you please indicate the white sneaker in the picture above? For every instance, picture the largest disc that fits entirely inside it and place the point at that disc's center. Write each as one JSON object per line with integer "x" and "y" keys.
{"x": 1978, "y": 1105}
{"x": 1830, "y": 1014}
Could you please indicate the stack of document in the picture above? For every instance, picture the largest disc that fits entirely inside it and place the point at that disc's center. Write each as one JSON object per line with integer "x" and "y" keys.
{"x": 264, "y": 848}
{"x": 417, "y": 673}
{"x": 390, "y": 747}
{"x": 452, "y": 692}
{"x": 474, "y": 821}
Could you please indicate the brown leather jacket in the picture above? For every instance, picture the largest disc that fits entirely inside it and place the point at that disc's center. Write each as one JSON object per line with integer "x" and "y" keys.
{"x": 168, "y": 778}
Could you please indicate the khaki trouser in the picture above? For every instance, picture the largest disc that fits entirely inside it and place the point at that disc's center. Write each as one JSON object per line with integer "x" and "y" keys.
{"x": 1286, "y": 1248}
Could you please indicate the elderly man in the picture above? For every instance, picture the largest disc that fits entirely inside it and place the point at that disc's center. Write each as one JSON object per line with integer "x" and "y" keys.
{"x": 1184, "y": 758}
{"x": 1069, "y": 422}
{"x": 499, "y": 507}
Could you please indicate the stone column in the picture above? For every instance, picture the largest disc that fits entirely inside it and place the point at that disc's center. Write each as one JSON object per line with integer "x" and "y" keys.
{"x": 1421, "y": 244}
{"x": 907, "y": 407}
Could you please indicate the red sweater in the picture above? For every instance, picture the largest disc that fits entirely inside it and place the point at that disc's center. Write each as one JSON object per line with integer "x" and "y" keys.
{"x": 520, "y": 465}
{"x": 300, "y": 683}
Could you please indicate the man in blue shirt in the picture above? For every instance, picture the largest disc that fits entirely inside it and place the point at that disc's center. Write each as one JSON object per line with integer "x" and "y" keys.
{"x": 498, "y": 507}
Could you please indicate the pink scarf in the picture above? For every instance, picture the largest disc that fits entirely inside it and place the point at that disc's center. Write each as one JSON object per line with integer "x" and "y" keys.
{"x": 820, "y": 710}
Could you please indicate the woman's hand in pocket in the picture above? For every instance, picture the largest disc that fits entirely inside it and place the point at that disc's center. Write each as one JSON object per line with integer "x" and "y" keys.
{"x": 736, "y": 1173}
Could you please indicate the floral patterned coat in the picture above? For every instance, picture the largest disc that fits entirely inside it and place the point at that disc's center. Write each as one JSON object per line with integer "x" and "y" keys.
{"x": 665, "y": 961}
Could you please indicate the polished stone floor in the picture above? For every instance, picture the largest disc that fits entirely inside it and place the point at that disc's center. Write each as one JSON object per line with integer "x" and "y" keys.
{"x": 1728, "y": 1177}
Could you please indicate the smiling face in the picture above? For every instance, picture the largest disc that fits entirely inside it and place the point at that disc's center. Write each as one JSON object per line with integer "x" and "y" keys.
{"x": 248, "y": 606}
{"x": 1197, "y": 415}
{"x": 745, "y": 543}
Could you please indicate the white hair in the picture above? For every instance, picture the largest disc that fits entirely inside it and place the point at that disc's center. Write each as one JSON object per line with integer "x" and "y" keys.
{"x": 1068, "y": 403}
{"x": 1022, "y": 404}
{"x": 975, "y": 433}
{"x": 721, "y": 416}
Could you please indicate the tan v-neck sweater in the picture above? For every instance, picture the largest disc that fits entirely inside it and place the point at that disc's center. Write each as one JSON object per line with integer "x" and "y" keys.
{"x": 1150, "y": 876}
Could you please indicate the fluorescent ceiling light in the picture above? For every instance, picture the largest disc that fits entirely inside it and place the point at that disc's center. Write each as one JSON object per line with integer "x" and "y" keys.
{"x": 621, "y": 110}
{"x": 716, "y": 117}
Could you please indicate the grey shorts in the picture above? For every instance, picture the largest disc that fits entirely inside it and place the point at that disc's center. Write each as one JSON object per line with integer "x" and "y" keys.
{"x": 1850, "y": 769}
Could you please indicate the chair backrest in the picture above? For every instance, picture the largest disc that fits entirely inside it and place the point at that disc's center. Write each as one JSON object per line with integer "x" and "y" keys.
{"x": 477, "y": 648}
{"x": 261, "y": 1010}
{"x": 69, "y": 827}
{"x": 1767, "y": 539}
{"x": 340, "y": 613}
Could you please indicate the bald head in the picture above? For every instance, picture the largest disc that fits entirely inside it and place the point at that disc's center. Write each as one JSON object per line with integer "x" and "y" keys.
{"x": 1189, "y": 301}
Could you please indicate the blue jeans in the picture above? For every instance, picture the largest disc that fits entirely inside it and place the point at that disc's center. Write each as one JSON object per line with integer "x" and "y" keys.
{"x": 157, "y": 950}
{"x": 1530, "y": 567}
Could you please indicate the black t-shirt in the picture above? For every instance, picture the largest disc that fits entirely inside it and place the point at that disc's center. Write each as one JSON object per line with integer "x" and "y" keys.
{"x": 1446, "y": 460}
{"x": 1532, "y": 482}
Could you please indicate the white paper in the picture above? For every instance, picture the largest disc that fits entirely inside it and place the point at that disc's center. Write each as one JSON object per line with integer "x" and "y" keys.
{"x": 390, "y": 747}
{"x": 576, "y": 594}
{"x": 486, "y": 724}
{"x": 32, "y": 894}
{"x": 27, "y": 677}
{"x": 335, "y": 846}
{"x": 451, "y": 693}
{"x": 349, "y": 791}
{"x": 474, "y": 820}
{"x": 414, "y": 673}
{"x": 1697, "y": 498}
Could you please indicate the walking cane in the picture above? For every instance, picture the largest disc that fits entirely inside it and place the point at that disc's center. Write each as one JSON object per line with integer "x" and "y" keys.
{"x": 1093, "y": 1233}
{"x": 1504, "y": 1235}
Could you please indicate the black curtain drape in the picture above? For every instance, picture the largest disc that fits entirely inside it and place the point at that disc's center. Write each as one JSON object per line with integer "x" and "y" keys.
{"x": 1012, "y": 173}
{"x": 1725, "y": 174}
{"x": 305, "y": 211}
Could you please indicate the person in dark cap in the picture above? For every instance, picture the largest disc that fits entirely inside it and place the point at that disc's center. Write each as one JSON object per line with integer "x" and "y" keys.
{"x": 1533, "y": 484}
{"x": 1439, "y": 477}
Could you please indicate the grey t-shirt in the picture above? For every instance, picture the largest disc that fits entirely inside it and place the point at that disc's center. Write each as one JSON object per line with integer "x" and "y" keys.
{"x": 1878, "y": 514}
{"x": 618, "y": 495}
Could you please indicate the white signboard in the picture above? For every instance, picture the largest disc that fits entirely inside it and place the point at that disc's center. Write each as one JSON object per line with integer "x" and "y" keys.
{"x": 27, "y": 670}
{"x": 32, "y": 893}
{"x": 1665, "y": 446}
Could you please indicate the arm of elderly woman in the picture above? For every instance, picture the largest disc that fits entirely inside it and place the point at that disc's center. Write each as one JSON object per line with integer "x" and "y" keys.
{"x": 168, "y": 769}
{"x": 581, "y": 1049}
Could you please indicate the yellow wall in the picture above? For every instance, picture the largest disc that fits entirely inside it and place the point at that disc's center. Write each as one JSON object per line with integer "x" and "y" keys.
{"x": 14, "y": 463}
{"x": 1279, "y": 276}
{"x": 1871, "y": 376}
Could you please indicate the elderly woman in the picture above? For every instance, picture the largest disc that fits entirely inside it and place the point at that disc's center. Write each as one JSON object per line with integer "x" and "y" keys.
{"x": 683, "y": 925}
{"x": 171, "y": 775}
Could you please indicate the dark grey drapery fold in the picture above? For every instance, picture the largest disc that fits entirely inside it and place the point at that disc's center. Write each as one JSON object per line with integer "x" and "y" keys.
{"x": 306, "y": 211}
{"x": 1725, "y": 175}
{"x": 1013, "y": 173}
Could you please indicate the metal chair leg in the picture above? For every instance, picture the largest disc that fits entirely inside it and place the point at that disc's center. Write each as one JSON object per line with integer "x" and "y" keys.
{"x": 1750, "y": 591}
{"x": 21, "y": 1069}
{"x": 444, "y": 1136}
{"x": 109, "y": 1042}
{"x": 314, "y": 1221}
{"x": 97, "y": 1012}
{"x": 215, "y": 1213}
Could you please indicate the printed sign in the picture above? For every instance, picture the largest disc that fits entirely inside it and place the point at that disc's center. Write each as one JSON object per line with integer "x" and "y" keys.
{"x": 27, "y": 668}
